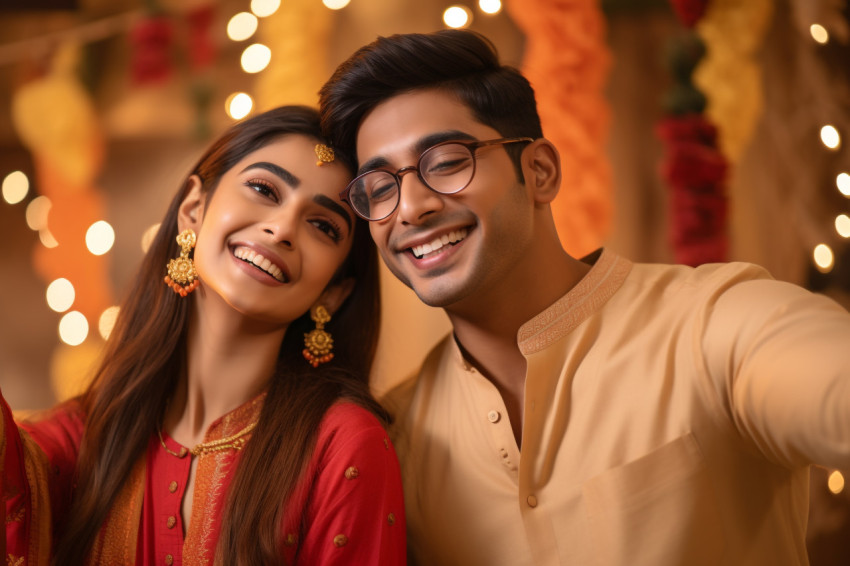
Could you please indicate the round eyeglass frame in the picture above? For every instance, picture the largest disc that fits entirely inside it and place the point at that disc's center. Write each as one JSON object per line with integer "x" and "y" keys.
{"x": 471, "y": 145}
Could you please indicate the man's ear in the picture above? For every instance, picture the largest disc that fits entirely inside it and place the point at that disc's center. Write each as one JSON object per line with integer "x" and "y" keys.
{"x": 191, "y": 211}
{"x": 541, "y": 166}
{"x": 335, "y": 294}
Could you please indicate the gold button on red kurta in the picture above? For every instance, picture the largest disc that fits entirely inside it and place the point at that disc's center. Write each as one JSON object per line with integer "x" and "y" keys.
{"x": 169, "y": 560}
{"x": 172, "y": 487}
{"x": 340, "y": 540}
{"x": 171, "y": 522}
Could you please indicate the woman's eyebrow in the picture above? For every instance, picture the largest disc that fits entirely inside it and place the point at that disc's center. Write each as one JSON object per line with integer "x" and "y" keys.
{"x": 277, "y": 170}
{"x": 334, "y": 206}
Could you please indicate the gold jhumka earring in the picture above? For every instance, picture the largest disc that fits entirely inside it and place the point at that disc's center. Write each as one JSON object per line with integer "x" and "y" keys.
{"x": 318, "y": 342}
{"x": 182, "y": 277}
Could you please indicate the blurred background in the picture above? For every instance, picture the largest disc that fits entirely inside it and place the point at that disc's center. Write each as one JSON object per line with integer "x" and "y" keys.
{"x": 690, "y": 131}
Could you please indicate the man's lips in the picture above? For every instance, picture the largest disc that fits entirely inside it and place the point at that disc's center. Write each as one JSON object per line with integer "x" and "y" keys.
{"x": 432, "y": 247}
{"x": 261, "y": 262}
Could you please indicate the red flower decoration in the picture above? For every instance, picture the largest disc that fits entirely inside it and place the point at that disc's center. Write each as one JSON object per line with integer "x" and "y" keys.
{"x": 202, "y": 50}
{"x": 695, "y": 170}
{"x": 689, "y": 12}
{"x": 151, "y": 42}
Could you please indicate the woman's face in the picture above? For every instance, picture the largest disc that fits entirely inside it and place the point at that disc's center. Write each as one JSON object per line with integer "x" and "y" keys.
{"x": 274, "y": 232}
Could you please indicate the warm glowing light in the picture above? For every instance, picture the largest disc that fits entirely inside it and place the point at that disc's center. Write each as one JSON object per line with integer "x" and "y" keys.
{"x": 16, "y": 185}
{"x": 238, "y": 105}
{"x": 490, "y": 6}
{"x": 100, "y": 237}
{"x": 835, "y": 482}
{"x": 843, "y": 183}
{"x": 336, "y": 4}
{"x": 824, "y": 258}
{"x": 107, "y": 321}
{"x": 36, "y": 213}
{"x": 830, "y": 137}
{"x": 264, "y": 8}
{"x": 242, "y": 26}
{"x": 148, "y": 236}
{"x": 819, "y": 33}
{"x": 842, "y": 225}
{"x": 457, "y": 17}
{"x": 255, "y": 58}
{"x": 73, "y": 328}
{"x": 60, "y": 295}
{"x": 47, "y": 239}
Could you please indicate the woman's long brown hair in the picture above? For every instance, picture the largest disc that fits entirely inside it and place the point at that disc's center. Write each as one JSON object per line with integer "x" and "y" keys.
{"x": 145, "y": 355}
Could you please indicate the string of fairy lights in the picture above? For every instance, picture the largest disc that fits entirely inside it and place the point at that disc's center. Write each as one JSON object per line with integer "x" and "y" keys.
{"x": 822, "y": 254}
{"x": 256, "y": 56}
{"x": 100, "y": 237}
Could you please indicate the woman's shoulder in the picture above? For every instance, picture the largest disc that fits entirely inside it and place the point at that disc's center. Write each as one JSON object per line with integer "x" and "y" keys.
{"x": 350, "y": 418}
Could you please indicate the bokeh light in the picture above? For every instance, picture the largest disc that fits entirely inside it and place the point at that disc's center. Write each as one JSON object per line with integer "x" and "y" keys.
{"x": 842, "y": 181}
{"x": 457, "y": 17}
{"x": 830, "y": 137}
{"x": 60, "y": 295}
{"x": 73, "y": 328}
{"x": 490, "y": 6}
{"x": 842, "y": 225}
{"x": 239, "y": 105}
{"x": 242, "y": 26}
{"x": 835, "y": 482}
{"x": 16, "y": 185}
{"x": 100, "y": 237}
{"x": 336, "y": 4}
{"x": 106, "y": 322}
{"x": 36, "y": 213}
{"x": 47, "y": 239}
{"x": 264, "y": 8}
{"x": 824, "y": 258}
{"x": 819, "y": 33}
{"x": 255, "y": 58}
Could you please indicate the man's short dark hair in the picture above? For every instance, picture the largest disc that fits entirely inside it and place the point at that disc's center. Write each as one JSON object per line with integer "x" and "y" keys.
{"x": 462, "y": 63}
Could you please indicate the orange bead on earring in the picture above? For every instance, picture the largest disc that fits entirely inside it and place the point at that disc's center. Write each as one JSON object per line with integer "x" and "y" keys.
{"x": 182, "y": 277}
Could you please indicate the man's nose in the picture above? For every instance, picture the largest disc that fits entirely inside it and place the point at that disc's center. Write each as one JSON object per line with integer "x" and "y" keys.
{"x": 416, "y": 199}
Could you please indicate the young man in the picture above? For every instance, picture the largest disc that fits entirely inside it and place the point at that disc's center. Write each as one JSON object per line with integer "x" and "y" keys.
{"x": 586, "y": 411}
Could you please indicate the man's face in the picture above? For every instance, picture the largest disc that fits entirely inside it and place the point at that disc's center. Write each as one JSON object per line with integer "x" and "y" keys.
{"x": 452, "y": 250}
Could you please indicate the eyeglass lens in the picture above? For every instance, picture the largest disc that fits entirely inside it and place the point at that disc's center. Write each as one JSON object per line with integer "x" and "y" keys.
{"x": 445, "y": 168}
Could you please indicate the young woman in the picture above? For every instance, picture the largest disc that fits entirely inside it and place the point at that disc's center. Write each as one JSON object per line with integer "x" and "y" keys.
{"x": 220, "y": 428}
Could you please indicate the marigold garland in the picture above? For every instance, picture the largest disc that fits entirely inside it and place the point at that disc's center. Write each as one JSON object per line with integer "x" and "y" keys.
{"x": 567, "y": 62}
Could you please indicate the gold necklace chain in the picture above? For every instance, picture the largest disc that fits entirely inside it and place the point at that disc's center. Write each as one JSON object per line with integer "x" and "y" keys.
{"x": 234, "y": 442}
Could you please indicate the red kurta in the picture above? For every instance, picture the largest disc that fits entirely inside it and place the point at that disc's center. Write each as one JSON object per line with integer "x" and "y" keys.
{"x": 351, "y": 489}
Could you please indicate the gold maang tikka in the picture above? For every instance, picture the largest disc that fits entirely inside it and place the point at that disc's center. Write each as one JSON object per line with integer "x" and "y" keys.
{"x": 182, "y": 277}
{"x": 324, "y": 154}
{"x": 318, "y": 342}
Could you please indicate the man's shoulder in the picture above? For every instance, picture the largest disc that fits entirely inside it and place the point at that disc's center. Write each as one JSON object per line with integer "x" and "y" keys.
{"x": 397, "y": 399}
{"x": 705, "y": 274}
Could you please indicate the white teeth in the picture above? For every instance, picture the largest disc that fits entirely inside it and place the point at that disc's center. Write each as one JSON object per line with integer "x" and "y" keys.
{"x": 266, "y": 265}
{"x": 452, "y": 237}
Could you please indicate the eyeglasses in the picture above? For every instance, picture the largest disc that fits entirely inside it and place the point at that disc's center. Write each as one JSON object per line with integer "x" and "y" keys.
{"x": 445, "y": 168}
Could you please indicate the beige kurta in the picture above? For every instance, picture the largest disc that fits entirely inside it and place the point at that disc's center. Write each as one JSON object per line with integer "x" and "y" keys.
{"x": 670, "y": 415}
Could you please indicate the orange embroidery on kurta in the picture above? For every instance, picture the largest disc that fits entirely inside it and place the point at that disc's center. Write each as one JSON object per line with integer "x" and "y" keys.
{"x": 117, "y": 540}
{"x": 36, "y": 465}
{"x": 209, "y": 500}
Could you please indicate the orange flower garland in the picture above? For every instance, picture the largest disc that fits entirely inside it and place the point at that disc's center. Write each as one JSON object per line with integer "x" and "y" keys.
{"x": 567, "y": 62}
